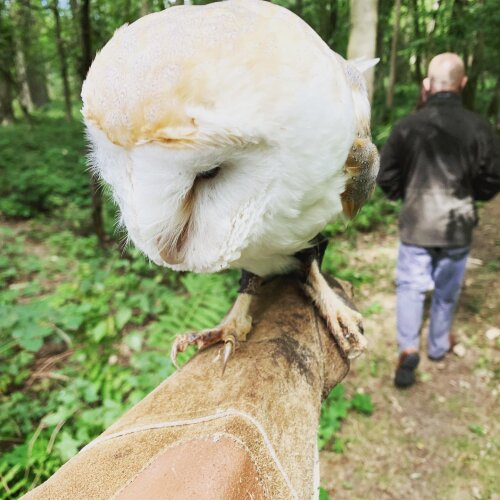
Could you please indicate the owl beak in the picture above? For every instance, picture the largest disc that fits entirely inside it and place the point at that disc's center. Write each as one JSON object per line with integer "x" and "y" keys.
{"x": 170, "y": 255}
{"x": 171, "y": 252}
{"x": 171, "y": 249}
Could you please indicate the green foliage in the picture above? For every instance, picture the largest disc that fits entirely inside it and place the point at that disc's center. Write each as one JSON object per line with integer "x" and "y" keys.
{"x": 372, "y": 309}
{"x": 323, "y": 494}
{"x": 84, "y": 335}
{"x": 377, "y": 212}
{"x": 362, "y": 403}
{"x": 477, "y": 429}
{"x": 335, "y": 409}
{"x": 49, "y": 176}
{"x": 335, "y": 262}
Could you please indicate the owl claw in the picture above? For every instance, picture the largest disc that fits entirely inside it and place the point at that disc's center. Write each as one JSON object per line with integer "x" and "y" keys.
{"x": 202, "y": 340}
{"x": 229, "y": 345}
{"x": 173, "y": 355}
{"x": 233, "y": 329}
{"x": 344, "y": 323}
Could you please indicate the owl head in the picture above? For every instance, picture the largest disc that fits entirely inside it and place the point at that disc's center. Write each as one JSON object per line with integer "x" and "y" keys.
{"x": 217, "y": 126}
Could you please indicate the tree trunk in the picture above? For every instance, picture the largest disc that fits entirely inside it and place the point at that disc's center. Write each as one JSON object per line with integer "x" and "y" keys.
{"x": 418, "y": 36}
{"x": 160, "y": 5}
{"x": 298, "y": 8}
{"x": 7, "y": 58}
{"x": 431, "y": 30}
{"x": 145, "y": 8}
{"x": 324, "y": 20}
{"x": 22, "y": 78}
{"x": 494, "y": 106}
{"x": 76, "y": 35}
{"x": 383, "y": 26}
{"x": 389, "y": 101}
{"x": 334, "y": 17}
{"x": 475, "y": 69}
{"x": 363, "y": 35}
{"x": 6, "y": 98}
{"x": 62, "y": 60}
{"x": 86, "y": 61}
{"x": 37, "y": 82}
{"x": 32, "y": 74}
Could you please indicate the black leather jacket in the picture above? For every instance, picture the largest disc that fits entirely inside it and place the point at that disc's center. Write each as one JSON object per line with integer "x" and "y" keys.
{"x": 439, "y": 161}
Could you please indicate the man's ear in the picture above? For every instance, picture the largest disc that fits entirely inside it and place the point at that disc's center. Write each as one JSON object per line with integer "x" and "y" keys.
{"x": 463, "y": 83}
{"x": 426, "y": 82}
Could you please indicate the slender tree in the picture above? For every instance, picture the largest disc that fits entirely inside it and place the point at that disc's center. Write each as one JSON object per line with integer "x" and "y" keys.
{"x": 86, "y": 61}
{"x": 30, "y": 58}
{"x": 86, "y": 58}
{"x": 474, "y": 72}
{"x": 389, "y": 100}
{"x": 7, "y": 57}
{"x": 62, "y": 59}
{"x": 76, "y": 35}
{"x": 298, "y": 7}
{"x": 363, "y": 34}
{"x": 494, "y": 106}
{"x": 417, "y": 33}
{"x": 432, "y": 26}
{"x": 145, "y": 7}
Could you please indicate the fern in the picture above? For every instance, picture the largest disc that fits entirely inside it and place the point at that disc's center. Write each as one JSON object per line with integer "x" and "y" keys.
{"x": 201, "y": 301}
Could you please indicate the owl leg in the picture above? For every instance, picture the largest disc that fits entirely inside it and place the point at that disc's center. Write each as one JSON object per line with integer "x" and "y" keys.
{"x": 344, "y": 323}
{"x": 233, "y": 329}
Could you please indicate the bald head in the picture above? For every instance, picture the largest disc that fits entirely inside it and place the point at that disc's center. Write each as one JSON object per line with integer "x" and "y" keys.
{"x": 446, "y": 74}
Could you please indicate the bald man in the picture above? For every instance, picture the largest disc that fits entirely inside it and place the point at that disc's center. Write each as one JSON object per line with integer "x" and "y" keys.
{"x": 439, "y": 161}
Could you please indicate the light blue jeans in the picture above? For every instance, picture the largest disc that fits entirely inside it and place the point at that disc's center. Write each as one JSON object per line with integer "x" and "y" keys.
{"x": 419, "y": 270}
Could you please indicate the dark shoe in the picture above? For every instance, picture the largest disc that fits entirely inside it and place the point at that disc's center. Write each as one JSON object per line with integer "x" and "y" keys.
{"x": 453, "y": 343}
{"x": 435, "y": 359}
{"x": 405, "y": 372}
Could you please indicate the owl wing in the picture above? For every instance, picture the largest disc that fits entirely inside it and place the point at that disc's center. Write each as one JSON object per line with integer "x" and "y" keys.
{"x": 361, "y": 170}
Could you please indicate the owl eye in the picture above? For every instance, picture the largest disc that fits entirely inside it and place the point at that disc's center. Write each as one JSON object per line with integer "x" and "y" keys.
{"x": 209, "y": 174}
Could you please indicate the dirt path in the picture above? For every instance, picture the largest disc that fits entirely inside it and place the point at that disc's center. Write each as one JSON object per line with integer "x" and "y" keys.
{"x": 439, "y": 439}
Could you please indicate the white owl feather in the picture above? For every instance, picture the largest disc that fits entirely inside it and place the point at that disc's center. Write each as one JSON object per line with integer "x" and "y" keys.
{"x": 241, "y": 86}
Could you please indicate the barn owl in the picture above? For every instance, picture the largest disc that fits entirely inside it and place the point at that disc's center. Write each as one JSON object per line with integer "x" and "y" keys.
{"x": 231, "y": 134}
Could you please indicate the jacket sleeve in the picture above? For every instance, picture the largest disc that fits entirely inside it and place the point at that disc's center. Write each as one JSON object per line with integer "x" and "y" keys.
{"x": 486, "y": 181}
{"x": 391, "y": 176}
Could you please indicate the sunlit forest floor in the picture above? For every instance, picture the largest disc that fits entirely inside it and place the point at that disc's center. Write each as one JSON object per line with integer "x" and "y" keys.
{"x": 439, "y": 439}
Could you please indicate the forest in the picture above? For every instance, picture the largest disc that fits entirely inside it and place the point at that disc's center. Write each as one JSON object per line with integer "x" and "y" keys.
{"x": 86, "y": 322}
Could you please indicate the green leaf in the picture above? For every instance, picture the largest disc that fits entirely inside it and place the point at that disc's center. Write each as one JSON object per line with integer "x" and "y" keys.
{"x": 122, "y": 317}
{"x": 338, "y": 445}
{"x": 66, "y": 446}
{"x": 31, "y": 337}
{"x": 323, "y": 494}
{"x": 362, "y": 403}
{"x": 134, "y": 340}
{"x": 99, "y": 331}
{"x": 477, "y": 429}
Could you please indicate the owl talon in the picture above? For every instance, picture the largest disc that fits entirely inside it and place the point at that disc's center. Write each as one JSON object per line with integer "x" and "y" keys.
{"x": 233, "y": 329}
{"x": 202, "y": 340}
{"x": 173, "y": 355}
{"x": 344, "y": 323}
{"x": 229, "y": 347}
